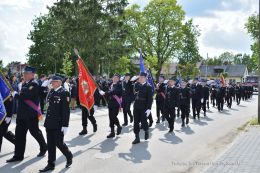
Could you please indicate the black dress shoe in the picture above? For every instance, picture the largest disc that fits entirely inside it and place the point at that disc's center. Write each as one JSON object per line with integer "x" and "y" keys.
{"x": 83, "y": 132}
{"x": 42, "y": 153}
{"x": 69, "y": 161}
{"x": 158, "y": 121}
{"x": 136, "y": 141}
{"x": 14, "y": 159}
{"x": 94, "y": 128}
{"x": 47, "y": 168}
{"x": 171, "y": 130}
{"x": 119, "y": 129}
{"x": 150, "y": 123}
{"x": 125, "y": 124}
{"x": 146, "y": 135}
{"x": 187, "y": 121}
{"x": 111, "y": 135}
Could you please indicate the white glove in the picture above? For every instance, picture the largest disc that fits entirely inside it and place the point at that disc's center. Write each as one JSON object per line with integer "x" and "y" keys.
{"x": 201, "y": 100}
{"x": 46, "y": 83}
{"x": 101, "y": 92}
{"x": 64, "y": 130}
{"x": 14, "y": 93}
{"x": 148, "y": 111}
{"x": 95, "y": 108}
{"x": 133, "y": 78}
{"x": 8, "y": 120}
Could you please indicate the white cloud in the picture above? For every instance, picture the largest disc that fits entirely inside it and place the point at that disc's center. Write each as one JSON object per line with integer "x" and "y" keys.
{"x": 15, "y": 24}
{"x": 224, "y": 31}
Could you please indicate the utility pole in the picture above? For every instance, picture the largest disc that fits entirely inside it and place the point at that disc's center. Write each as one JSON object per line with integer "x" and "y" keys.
{"x": 258, "y": 63}
{"x": 207, "y": 66}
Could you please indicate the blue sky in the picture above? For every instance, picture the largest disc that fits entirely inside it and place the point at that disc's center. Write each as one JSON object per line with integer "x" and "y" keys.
{"x": 221, "y": 23}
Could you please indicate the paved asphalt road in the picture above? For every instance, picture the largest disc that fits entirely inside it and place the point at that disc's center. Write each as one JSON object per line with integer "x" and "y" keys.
{"x": 189, "y": 149}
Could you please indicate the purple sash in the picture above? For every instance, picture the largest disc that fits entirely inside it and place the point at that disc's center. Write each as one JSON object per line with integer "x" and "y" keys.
{"x": 34, "y": 107}
{"x": 119, "y": 100}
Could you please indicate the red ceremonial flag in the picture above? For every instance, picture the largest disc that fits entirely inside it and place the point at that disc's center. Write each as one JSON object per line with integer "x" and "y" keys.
{"x": 87, "y": 86}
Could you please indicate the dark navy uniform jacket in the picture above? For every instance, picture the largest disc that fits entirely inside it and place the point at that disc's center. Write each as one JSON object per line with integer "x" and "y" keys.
{"x": 172, "y": 97}
{"x": 160, "y": 95}
{"x": 143, "y": 96}
{"x": 58, "y": 111}
{"x": 128, "y": 93}
{"x": 196, "y": 92}
{"x": 185, "y": 96}
{"x": 115, "y": 90}
{"x": 205, "y": 92}
{"x": 221, "y": 92}
{"x": 30, "y": 91}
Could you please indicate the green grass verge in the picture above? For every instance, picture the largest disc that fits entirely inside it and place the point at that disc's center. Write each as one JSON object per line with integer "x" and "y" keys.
{"x": 254, "y": 122}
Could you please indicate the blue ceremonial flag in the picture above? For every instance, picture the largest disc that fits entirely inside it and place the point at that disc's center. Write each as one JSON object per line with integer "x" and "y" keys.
{"x": 2, "y": 110}
{"x": 179, "y": 81}
{"x": 148, "y": 72}
{"x": 150, "y": 79}
{"x": 142, "y": 68}
{"x": 5, "y": 92}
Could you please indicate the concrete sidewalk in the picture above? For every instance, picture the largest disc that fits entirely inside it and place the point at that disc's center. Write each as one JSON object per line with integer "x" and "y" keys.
{"x": 243, "y": 156}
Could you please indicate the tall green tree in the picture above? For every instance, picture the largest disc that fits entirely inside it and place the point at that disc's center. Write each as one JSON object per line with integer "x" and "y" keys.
{"x": 188, "y": 70}
{"x": 95, "y": 27}
{"x": 227, "y": 58}
{"x": 213, "y": 61}
{"x": 123, "y": 65}
{"x": 252, "y": 26}
{"x": 157, "y": 29}
{"x": 45, "y": 53}
{"x": 189, "y": 52}
{"x": 67, "y": 64}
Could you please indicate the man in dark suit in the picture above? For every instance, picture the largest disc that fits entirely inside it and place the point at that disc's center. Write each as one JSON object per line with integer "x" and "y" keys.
{"x": 213, "y": 95}
{"x": 205, "y": 96}
{"x": 171, "y": 101}
{"x": 56, "y": 123}
{"x": 230, "y": 92}
{"x": 142, "y": 107}
{"x": 160, "y": 98}
{"x": 197, "y": 98}
{"x": 114, "y": 98}
{"x": 27, "y": 116}
{"x": 221, "y": 93}
{"x": 128, "y": 93}
{"x": 238, "y": 92}
{"x": 184, "y": 102}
